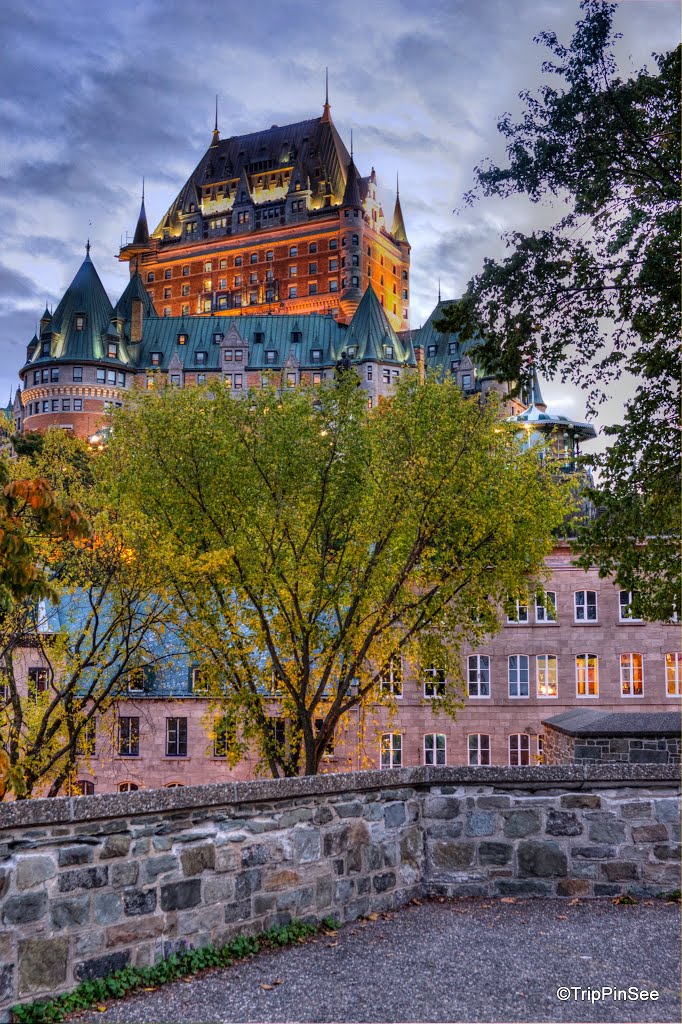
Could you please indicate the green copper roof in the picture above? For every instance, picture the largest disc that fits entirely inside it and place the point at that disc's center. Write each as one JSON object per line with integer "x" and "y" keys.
{"x": 373, "y": 335}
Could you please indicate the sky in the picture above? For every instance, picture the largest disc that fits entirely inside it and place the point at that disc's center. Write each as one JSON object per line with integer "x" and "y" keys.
{"x": 95, "y": 95}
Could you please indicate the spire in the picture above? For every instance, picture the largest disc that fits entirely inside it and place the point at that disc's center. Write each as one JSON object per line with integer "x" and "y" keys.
{"x": 141, "y": 236}
{"x": 351, "y": 193}
{"x": 398, "y": 230}
{"x": 535, "y": 396}
{"x": 439, "y": 289}
{"x": 326, "y": 116}
{"x": 87, "y": 249}
{"x": 216, "y": 133}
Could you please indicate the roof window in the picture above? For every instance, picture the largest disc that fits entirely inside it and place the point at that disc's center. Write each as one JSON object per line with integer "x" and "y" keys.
{"x": 182, "y": 339}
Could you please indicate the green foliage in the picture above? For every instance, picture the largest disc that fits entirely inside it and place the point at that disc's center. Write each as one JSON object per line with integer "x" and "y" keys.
{"x": 308, "y": 540}
{"x": 596, "y": 296}
{"x": 179, "y": 965}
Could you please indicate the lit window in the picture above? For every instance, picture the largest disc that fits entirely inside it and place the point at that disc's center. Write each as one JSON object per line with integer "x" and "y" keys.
{"x": 112, "y": 350}
{"x": 370, "y": 371}
{"x": 128, "y": 736}
{"x": 673, "y": 674}
{"x": 519, "y": 748}
{"x": 155, "y": 358}
{"x": 185, "y": 310}
{"x": 208, "y": 267}
{"x": 587, "y": 675}
{"x": 625, "y": 599}
{"x": 545, "y": 606}
{"x": 317, "y": 377}
{"x": 182, "y": 339}
{"x": 391, "y": 678}
{"x": 434, "y": 748}
{"x": 518, "y": 675}
{"x": 391, "y": 750}
{"x": 176, "y": 737}
{"x": 546, "y": 673}
{"x": 291, "y": 379}
{"x": 631, "y": 675}
{"x": 479, "y": 675}
{"x": 434, "y": 681}
{"x": 479, "y": 749}
{"x": 223, "y": 264}
{"x": 585, "y": 605}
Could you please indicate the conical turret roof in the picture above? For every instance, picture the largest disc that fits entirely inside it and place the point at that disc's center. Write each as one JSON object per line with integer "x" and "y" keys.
{"x": 141, "y": 236}
{"x": 351, "y": 193}
{"x": 370, "y": 330}
{"x": 398, "y": 229}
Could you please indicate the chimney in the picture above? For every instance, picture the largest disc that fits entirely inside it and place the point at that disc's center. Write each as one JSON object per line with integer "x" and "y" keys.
{"x": 136, "y": 316}
{"x": 419, "y": 356}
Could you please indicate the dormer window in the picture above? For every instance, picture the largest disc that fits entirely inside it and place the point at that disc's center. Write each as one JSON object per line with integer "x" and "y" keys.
{"x": 296, "y": 337}
{"x": 182, "y": 339}
{"x": 352, "y": 351}
{"x": 156, "y": 358}
{"x": 388, "y": 351}
{"x": 217, "y": 337}
{"x": 453, "y": 348}
{"x": 258, "y": 337}
{"x": 192, "y": 208}
{"x": 45, "y": 348}
{"x": 112, "y": 350}
{"x": 431, "y": 351}
{"x": 201, "y": 358}
{"x": 316, "y": 355}
{"x": 271, "y": 356}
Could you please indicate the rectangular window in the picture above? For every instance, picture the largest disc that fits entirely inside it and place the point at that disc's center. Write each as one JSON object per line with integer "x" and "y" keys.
{"x": 333, "y": 286}
{"x": 631, "y": 675}
{"x": 36, "y": 376}
{"x": 391, "y": 678}
{"x": 223, "y": 737}
{"x": 519, "y": 748}
{"x": 208, "y": 267}
{"x": 545, "y": 606}
{"x": 167, "y": 293}
{"x": 135, "y": 679}
{"x": 317, "y": 377}
{"x": 200, "y": 358}
{"x": 228, "y": 355}
{"x": 239, "y": 355}
{"x": 434, "y": 748}
{"x": 66, "y": 405}
{"x": 38, "y": 681}
{"x": 479, "y": 675}
{"x": 253, "y": 258}
{"x": 121, "y": 379}
{"x": 128, "y": 736}
{"x": 370, "y": 372}
{"x": 546, "y": 675}
{"x": 291, "y": 379}
{"x": 585, "y": 605}
{"x": 237, "y": 382}
{"x": 434, "y": 681}
{"x": 316, "y": 355}
{"x": 518, "y": 612}
{"x": 111, "y": 376}
{"x": 625, "y": 598}
{"x": 46, "y": 406}
{"x": 78, "y": 405}
{"x": 253, "y": 278}
{"x": 101, "y": 376}
{"x": 237, "y": 261}
{"x": 391, "y": 750}
{"x": 312, "y": 288}
{"x": 673, "y": 673}
{"x": 176, "y": 737}
{"x": 55, "y": 405}
{"x": 293, "y": 291}
{"x": 587, "y": 675}
{"x": 519, "y": 675}
{"x": 185, "y": 271}
{"x": 270, "y": 356}
{"x": 479, "y": 749}
{"x": 44, "y": 376}
{"x": 293, "y": 250}
{"x": 185, "y": 289}
{"x": 54, "y": 375}
{"x": 167, "y": 274}
{"x": 155, "y": 358}
{"x": 112, "y": 350}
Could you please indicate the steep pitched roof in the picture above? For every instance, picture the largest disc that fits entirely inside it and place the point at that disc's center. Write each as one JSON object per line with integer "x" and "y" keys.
{"x": 135, "y": 289}
{"x": 351, "y": 193}
{"x": 141, "y": 236}
{"x": 398, "y": 230}
{"x": 371, "y": 331}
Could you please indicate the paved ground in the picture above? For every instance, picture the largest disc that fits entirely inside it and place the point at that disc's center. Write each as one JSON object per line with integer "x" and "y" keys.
{"x": 461, "y": 960}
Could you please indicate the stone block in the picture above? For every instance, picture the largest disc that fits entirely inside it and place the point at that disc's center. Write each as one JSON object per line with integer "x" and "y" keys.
{"x": 87, "y": 943}
{"x": 322, "y": 815}
{"x": 217, "y": 889}
{"x": 363, "y": 885}
{"x": 620, "y": 871}
{"x": 323, "y": 891}
{"x": 520, "y": 823}
{"x": 237, "y": 911}
{"x": 510, "y": 887}
{"x": 667, "y": 852}
{"x": 384, "y": 881}
{"x": 648, "y": 756}
{"x": 494, "y": 853}
{"x": 132, "y": 932}
{"x": 70, "y": 855}
{"x": 394, "y": 815}
{"x": 448, "y": 855}
{"x": 247, "y": 883}
{"x": 480, "y": 823}
{"x": 161, "y": 844}
{"x": 263, "y": 903}
{"x": 411, "y": 847}
{"x": 282, "y": 879}
{"x": 441, "y": 807}
{"x": 142, "y": 846}
{"x": 493, "y": 803}
{"x": 649, "y": 833}
{"x": 305, "y": 845}
{"x": 667, "y": 810}
{"x": 108, "y": 907}
{"x": 181, "y": 895}
{"x": 574, "y": 887}
{"x": 604, "y": 889}
{"x": 227, "y": 859}
{"x": 25, "y": 909}
{"x": 115, "y": 846}
{"x": 70, "y": 912}
{"x": 445, "y": 829}
{"x": 563, "y": 823}
{"x": 350, "y": 809}
{"x": 156, "y": 866}
{"x": 344, "y": 888}
{"x": 606, "y": 828}
{"x": 42, "y": 965}
{"x": 139, "y": 902}
{"x": 124, "y": 874}
{"x": 83, "y": 878}
{"x": 197, "y": 859}
{"x": 541, "y": 859}
{"x": 4, "y": 881}
{"x": 101, "y": 966}
{"x": 635, "y": 810}
{"x": 356, "y": 908}
{"x": 593, "y": 852}
{"x": 581, "y": 801}
{"x": 6, "y": 984}
{"x": 32, "y": 871}
{"x": 254, "y": 855}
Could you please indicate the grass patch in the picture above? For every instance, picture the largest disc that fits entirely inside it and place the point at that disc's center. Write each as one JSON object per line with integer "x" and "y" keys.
{"x": 180, "y": 965}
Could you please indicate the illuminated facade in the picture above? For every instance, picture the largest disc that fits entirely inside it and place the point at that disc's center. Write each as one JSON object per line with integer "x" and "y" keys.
{"x": 276, "y": 221}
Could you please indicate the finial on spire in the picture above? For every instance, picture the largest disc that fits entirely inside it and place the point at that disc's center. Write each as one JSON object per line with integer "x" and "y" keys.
{"x": 351, "y": 143}
{"x": 397, "y": 186}
{"x": 87, "y": 247}
{"x": 143, "y": 188}
{"x": 325, "y": 111}
{"x": 215, "y": 127}
{"x": 439, "y": 289}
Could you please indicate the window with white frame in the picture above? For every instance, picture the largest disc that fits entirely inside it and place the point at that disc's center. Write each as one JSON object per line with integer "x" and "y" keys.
{"x": 135, "y": 678}
{"x": 176, "y": 737}
{"x": 587, "y": 675}
{"x": 585, "y": 605}
{"x": 391, "y": 678}
{"x": 546, "y": 675}
{"x": 392, "y": 750}
{"x": 519, "y": 675}
{"x": 434, "y": 681}
{"x": 434, "y": 748}
{"x": 479, "y": 748}
{"x": 631, "y": 675}
{"x": 519, "y": 748}
{"x": 128, "y": 736}
{"x": 673, "y": 673}
{"x": 545, "y": 606}
{"x": 478, "y": 675}
{"x": 518, "y": 612}
{"x": 625, "y": 598}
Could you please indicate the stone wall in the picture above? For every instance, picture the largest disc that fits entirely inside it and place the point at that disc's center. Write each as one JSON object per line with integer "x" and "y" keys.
{"x": 589, "y": 736}
{"x": 90, "y": 884}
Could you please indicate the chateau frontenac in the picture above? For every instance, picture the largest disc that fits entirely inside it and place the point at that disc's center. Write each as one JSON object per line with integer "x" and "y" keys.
{"x": 275, "y": 265}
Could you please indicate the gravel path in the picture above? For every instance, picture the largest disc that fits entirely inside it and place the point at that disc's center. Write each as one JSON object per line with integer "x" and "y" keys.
{"x": 461, "y": 960}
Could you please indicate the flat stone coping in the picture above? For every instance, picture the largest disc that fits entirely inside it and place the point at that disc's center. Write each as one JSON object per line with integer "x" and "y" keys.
{"x": 66, "y": 810}
{"x": 591, "y": 722}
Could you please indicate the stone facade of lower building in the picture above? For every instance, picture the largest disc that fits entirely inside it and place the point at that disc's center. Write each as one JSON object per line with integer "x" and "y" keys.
{"x": 90, "y": 884}
{"x": 586, "y": 737}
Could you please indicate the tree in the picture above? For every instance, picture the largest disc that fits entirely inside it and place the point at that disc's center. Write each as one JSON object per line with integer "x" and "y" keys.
{"x": 309, "y": 541}
{"x": 93, "y": 615}
{"x": 596, "y": 296}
